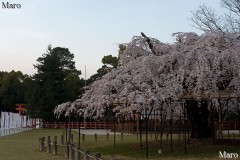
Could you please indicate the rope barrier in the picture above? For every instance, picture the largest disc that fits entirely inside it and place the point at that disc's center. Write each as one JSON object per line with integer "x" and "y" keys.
{"x": 78, "y": 151}
{"x": 84, "y": 153}
{"x": 72, "y": 148}
{"x": 53, "y": 144}
{"x": 81, "y": 152}
{"x": 43, "y": 142}
{"x": 97, "y": 158}
{"x": 90, "y": 156}
{"x": 60, "y": 145}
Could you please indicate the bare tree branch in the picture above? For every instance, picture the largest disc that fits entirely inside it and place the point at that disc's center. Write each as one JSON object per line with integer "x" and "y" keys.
{"x": 232, "y": 5}
{"x": 206, "y": 19}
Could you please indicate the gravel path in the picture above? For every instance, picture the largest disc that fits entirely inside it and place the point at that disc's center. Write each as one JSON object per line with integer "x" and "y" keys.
{"x": 97, "y": 131}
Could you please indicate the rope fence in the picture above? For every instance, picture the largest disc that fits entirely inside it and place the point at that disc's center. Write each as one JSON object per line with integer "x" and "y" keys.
{"x": 70, "y": 151}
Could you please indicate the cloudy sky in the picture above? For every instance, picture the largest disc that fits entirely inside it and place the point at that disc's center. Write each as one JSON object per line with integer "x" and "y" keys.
{"x": 90, "y": 28}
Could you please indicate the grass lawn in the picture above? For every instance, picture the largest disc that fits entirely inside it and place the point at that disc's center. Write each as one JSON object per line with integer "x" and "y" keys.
{"x": 24, "y": 146}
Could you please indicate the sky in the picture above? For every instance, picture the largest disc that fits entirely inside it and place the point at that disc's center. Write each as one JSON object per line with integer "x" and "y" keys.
{"x": 90, "y": 29}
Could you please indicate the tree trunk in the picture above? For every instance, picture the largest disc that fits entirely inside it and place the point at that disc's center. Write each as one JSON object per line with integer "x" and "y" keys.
{"x": 198, "y": 115}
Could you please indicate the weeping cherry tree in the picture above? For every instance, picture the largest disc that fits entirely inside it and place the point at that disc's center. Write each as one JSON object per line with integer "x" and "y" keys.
{"x": 155, "y": 75}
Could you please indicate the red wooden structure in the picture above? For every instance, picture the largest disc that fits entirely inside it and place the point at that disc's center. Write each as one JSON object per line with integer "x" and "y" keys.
{"x": 231, "y": 125}
{"x": 75, "y": 125}
{"x": 20, "y": 108}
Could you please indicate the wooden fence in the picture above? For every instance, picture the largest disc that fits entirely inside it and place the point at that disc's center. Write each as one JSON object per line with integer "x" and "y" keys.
{"x": 131, "y": 127}
{"x": 71, "y": 152}
{"x": 231, "y": 125}
{"x": 128, "y": 127}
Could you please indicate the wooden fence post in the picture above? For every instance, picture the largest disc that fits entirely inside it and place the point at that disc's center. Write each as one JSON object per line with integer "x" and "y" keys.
{"x": 62, "y": 139}
{"x": 78, "y": 153}
{"x": 121, "y": 135}
{"x": 63, "y": 132}
{"x": 71, "y": 151}
{"x": 107, "y": 136}
{"x": 69, "y": 135}
{"x": 55, "y": 148}
{"x": 67, "y": 150}
{"x": 55, "y": 138}
{"x": 71, "y": 138}
{"x": 95, "y": 135}
{"x": 86, "y": 155}
{"x": 40, "y": 145}
{"x": 83, "y": 137}
{"x": 97, "y": 156}
{"x": 55, "y": 145}
{"x": 48, "y": 145}
{"x": 43, "y": 141}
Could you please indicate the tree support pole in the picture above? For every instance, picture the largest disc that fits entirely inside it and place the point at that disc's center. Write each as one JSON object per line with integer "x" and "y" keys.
{"x": 171, "y": 126}
{"x": 146, "y": 123}
{"x": 185, "y": 130}
{"x": 140, "y": 129}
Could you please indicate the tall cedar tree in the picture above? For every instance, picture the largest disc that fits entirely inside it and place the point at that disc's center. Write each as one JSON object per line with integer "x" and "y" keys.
{"x": 52, "y": 86}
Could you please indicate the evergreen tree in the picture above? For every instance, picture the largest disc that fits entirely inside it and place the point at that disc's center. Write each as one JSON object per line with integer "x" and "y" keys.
{"x": 12, "y": 88}
{"x": 53, "y": 82}
{"x": 109, "y": 62}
